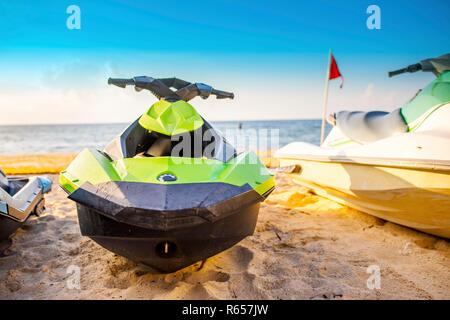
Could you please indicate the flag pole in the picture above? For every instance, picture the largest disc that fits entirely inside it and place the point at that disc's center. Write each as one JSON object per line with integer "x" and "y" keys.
{"x": 325, "y": 100}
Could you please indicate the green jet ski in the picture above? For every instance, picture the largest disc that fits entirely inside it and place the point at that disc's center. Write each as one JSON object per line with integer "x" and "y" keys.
{"x": 170, "y": 190}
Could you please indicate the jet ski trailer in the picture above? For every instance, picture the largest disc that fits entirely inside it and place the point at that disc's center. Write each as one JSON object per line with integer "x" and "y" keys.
{"x": 20, "y": 197}
{"x": 395, "y": 166}
{"x": 170, "y": 190}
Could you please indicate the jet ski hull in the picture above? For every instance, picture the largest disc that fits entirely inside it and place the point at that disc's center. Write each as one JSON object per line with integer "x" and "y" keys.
{"x": 170, "y": 228}
{"x": 404, "y": 178}
{"x": 414, "y": 198}
{"x": 172, "y": 250}
{"x": 8, "y": 227}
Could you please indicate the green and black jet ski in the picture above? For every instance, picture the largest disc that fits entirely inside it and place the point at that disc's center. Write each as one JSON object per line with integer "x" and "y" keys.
{"x": 20, "y": 197}
{"x": 170, "y": 190}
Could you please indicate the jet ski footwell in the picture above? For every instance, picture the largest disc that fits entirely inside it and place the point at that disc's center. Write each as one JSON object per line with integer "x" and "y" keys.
{"x": 166, "y": 226}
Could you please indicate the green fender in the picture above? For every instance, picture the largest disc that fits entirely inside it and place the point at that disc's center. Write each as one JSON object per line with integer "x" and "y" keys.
{"x": 95, "y": 167}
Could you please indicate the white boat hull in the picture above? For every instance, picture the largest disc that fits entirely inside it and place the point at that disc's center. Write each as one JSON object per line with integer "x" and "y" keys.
{"x": 404, "y": 178}
{"x": 388, "y": 193}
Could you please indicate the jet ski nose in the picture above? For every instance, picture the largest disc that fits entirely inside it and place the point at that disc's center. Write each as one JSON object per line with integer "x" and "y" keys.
{"x": 166, "y": 249}
{"x": 166, "y": 226}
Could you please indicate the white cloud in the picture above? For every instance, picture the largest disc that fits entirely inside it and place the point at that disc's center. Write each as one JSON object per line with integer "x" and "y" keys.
{"x": 77, "y": 92}
{"x": 367, "y": 97}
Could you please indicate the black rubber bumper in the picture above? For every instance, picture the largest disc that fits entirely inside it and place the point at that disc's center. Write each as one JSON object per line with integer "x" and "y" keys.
{"x": 7, "y": 228}
{"x": 167, "y": 227}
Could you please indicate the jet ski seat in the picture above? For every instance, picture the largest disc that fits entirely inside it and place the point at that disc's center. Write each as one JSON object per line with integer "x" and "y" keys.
{"x": 160, "y": 148}
{"x": 365, "y": 127}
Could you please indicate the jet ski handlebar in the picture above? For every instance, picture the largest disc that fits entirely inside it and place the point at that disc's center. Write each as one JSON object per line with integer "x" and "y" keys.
{"x": 222, "y": 94}
{"x": 411, "y": 68}
{"x": 121, "y": 82}
{"x": 436, "y": 65}
{"x": 162, "y": 88}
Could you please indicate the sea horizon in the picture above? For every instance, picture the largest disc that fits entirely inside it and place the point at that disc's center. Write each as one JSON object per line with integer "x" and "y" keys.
{"x": 124, "y": 122}
{"x": 68, "y": 138}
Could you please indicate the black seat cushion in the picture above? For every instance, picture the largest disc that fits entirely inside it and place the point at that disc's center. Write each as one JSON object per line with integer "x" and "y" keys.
{"x": 364, "y": 127}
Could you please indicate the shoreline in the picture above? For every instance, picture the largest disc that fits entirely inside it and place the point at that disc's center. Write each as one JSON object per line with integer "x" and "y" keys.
{"x": 45, "y": 163}
{"x": 54, "y": 163}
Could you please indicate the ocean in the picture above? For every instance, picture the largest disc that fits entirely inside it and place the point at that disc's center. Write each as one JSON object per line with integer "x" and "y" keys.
{"x": 39, "y": 139}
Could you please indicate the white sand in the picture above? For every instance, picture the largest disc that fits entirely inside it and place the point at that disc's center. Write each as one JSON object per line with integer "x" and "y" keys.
{"x": 305, "y": 247}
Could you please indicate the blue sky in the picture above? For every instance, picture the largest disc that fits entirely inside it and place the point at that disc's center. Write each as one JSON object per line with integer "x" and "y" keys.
{"x": 272, "y": 54}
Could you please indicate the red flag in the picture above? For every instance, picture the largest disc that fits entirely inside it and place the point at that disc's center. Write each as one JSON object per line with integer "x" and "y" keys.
{"x": 334, "y": 70}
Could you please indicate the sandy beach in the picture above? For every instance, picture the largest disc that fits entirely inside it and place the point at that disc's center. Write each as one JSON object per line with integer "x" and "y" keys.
{"x": 304, "y": 247}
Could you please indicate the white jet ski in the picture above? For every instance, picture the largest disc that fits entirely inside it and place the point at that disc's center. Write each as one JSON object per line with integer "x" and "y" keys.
{"x": 395, "y": 166}
{"x": 20, "y": 197}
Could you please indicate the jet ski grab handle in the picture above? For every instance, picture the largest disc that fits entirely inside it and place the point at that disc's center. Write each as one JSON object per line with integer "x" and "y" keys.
{"x": 162, "y": 88}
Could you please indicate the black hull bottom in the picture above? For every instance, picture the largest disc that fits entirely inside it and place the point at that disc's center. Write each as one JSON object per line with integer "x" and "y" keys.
{"x": 7, "y": 229}
{"x": 171, "y": 250}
